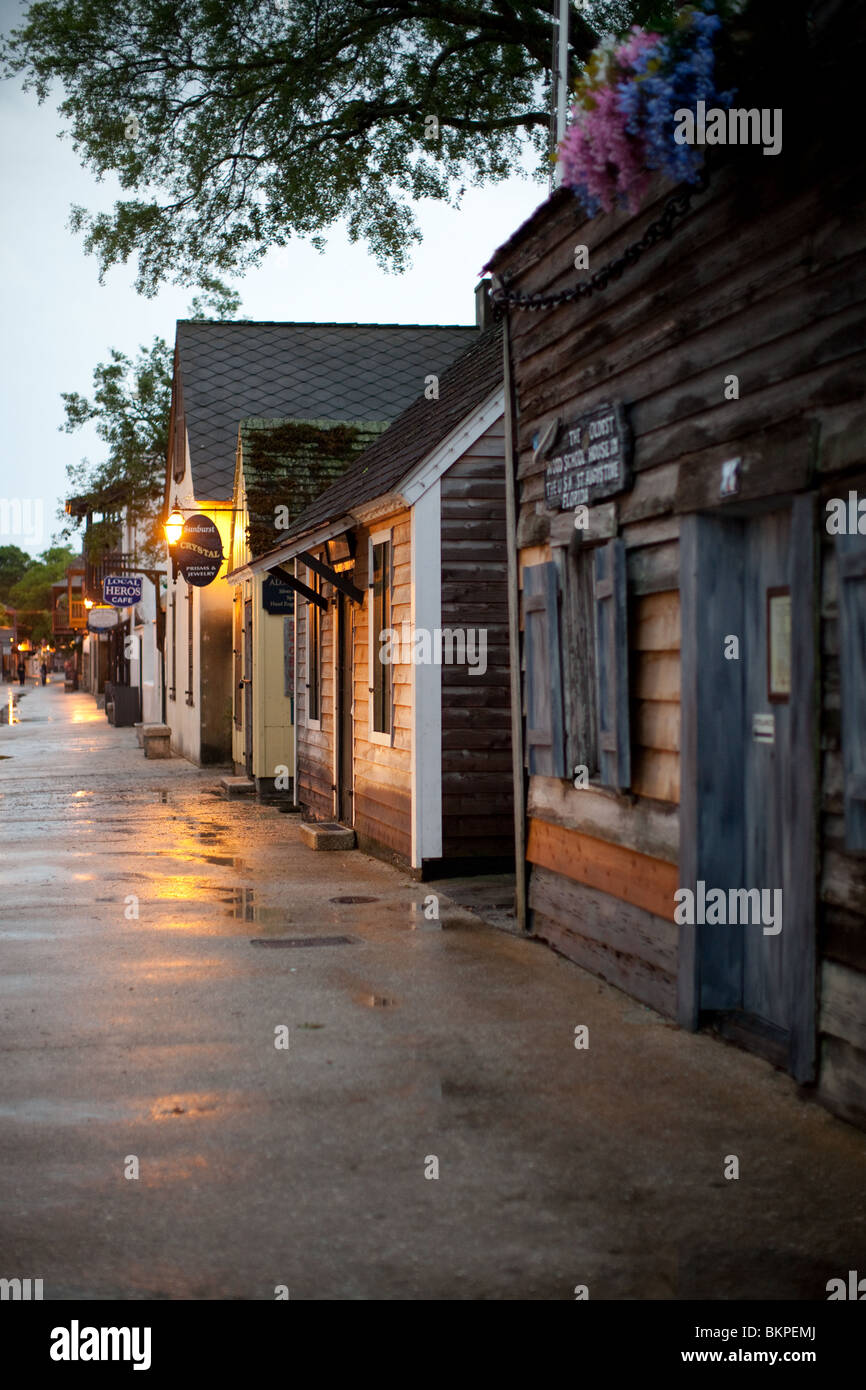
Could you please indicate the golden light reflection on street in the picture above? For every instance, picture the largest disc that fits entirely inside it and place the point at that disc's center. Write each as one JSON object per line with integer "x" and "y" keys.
{"x": 183, "y": 1103}
{"x": 87, "y": 714}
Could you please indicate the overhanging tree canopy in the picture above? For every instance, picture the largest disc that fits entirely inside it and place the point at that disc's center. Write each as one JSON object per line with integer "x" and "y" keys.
{"x": 236, "y": 124}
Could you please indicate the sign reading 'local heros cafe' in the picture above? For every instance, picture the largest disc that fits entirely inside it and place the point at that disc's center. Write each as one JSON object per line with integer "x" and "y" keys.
{"x": 123, "y": 590}
{"x": 199, "y": 551}
{"x": 591, "y": 459}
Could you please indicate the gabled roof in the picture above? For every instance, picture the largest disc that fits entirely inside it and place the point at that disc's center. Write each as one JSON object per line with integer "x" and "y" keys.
{"x": 333, "y": 371}
{"x": 464, "y": 387}
{"x": 287, "y": 463}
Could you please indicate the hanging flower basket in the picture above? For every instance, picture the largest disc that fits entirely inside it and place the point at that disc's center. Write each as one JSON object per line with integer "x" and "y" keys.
{"x": 622, "y": 121}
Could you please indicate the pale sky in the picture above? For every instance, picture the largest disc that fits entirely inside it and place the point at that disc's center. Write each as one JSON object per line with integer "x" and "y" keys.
{"x": 60, "y": 322}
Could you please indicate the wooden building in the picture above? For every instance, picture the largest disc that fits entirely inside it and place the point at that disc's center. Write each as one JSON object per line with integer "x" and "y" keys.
{"x": 403, "y": 722}
{"x": 693, "y": 628}
{"x": 282, "y": 465}
{"x": 225, "y": 372}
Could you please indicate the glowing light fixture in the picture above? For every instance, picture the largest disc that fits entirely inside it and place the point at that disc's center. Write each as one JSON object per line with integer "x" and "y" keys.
{"x": 173, "y": 527}
{"x": 88, "y": 604}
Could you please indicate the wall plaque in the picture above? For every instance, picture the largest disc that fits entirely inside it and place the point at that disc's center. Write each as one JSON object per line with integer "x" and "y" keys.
{"x": 779, "y": 644}
{"x": 590, "y": 458}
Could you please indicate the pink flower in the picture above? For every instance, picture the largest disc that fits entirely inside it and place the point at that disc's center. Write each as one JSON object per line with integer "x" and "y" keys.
{"x": 600, "y": 156}
{"x": 631, "y": 49}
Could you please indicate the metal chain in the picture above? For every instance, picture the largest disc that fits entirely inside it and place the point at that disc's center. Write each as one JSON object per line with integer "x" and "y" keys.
{"x": 675, "y": 209}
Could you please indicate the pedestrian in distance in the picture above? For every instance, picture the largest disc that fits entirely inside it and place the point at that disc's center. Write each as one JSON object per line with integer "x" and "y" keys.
{"x": 43, "y": 671}
{"x": 22, "y": 673}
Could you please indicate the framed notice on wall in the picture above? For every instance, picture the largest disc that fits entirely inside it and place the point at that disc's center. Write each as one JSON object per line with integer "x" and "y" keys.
{"x": 779, "y": 644}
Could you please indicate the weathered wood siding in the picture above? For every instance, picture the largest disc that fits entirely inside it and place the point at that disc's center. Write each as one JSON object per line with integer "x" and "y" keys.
{"x": 767, "y": 283}
{"x": 383, "y": 775}
{"x": 477, "y": 799}
{"x": 842, "y": 905}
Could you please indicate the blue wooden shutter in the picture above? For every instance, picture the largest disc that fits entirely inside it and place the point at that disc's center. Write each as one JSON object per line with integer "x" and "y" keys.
{"x": 545, "y": 741}
{"x": 611, "y": 645}
{"x": 851, "y": 556}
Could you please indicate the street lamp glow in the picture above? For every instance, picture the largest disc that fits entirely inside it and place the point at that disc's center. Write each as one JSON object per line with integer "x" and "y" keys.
{"x": 173, "y": 527}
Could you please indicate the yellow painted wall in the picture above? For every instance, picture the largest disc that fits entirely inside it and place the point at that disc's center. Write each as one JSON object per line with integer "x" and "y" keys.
{"x": 273, "y": 732}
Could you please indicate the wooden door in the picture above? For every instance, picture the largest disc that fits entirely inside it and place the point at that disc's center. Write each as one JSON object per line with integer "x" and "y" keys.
{"x": 766, "y": 750}
{"x": 748, "y": 764}
{"x": 345, "y": 724}
{"x": 248, "y": 686}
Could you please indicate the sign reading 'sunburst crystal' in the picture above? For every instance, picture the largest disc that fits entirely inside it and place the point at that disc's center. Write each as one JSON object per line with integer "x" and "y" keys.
{"x": 199, "y": 551}
{"x": 591, "y": 459}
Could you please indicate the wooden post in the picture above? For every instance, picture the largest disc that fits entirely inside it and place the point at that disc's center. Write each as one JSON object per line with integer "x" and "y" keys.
{"x": 518, "y": 773}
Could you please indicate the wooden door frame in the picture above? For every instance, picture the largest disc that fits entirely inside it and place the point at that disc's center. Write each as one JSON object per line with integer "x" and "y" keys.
{"x": 344, "y": 691}
{"x": 248, "y": 664}
{"x": 699, "y": 778}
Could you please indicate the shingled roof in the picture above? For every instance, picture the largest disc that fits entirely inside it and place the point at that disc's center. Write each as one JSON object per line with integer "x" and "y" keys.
{"x": 312, "y": 371}
{"x": 382, "y": 467}
{"x": 289, "y": 462}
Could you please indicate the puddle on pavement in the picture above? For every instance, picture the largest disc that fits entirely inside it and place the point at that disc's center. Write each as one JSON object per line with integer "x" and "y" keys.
{"x": 221, "y": 859}
{"x": 242, "y": 907}
{"x": 376, "y": 1001}
{"x": 167, "y": 1107}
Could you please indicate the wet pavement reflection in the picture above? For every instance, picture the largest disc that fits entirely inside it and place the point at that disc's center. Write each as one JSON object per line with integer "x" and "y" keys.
{"x": 227, "y": 1061}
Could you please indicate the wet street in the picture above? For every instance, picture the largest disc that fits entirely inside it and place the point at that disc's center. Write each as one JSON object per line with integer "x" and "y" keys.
{"x": 158, "y": 940}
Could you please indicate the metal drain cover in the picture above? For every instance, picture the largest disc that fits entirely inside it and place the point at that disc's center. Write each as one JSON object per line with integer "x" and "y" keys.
{"x": 350, "y": 898}
{"x": 303, "y": 941}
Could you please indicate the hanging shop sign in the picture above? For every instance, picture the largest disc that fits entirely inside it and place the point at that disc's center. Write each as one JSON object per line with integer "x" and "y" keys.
{"x": 590, "y": 458}
{"x": 122, "y": 590}
{"x": 102, "y": 618}
{"x": 199, "y": 550}
{"x": 277, "y": 596}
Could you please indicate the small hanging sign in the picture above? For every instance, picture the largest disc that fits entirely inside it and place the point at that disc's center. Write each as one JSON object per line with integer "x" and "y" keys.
{"x": 591, "y": 459}
{"x": 122, "y": 590}
{"x": 102, "y": 617}
{"x": 277, "y": 596}
{"x": 199, "y": 551}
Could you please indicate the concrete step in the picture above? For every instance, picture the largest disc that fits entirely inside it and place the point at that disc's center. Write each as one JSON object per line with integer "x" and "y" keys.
{"x": 237, "y": 786}
{"x": 156, "y": 740}
{"x": 327, "y": 836}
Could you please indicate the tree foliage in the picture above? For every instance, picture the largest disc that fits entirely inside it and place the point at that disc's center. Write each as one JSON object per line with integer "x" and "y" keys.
{"x": 233, "y": 125}
{"x": 130, "y": 406}
{"x": 31, "y": 595}
{"x": 14, "y": 563}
